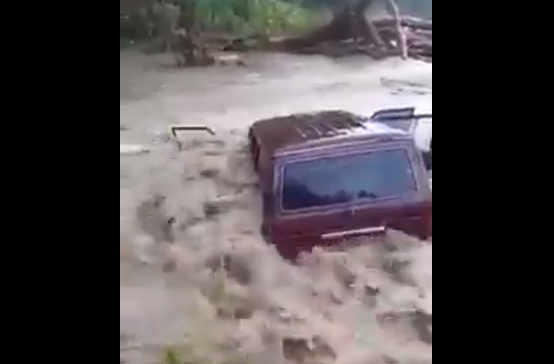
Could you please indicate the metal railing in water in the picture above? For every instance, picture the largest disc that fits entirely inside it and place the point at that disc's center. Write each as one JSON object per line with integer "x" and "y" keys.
{"x": 137, "y": 149}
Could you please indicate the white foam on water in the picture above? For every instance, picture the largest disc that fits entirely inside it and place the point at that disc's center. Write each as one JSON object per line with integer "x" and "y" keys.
{"x": 132, "y": 149}
{"x": 359, "y": 302}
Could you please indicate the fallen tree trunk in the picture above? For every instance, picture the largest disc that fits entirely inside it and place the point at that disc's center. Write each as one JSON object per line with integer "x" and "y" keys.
{"x": 408, "y": 22}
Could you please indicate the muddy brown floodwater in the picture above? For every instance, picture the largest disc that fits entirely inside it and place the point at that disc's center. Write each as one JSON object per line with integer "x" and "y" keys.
{"x": 368, "y": 304}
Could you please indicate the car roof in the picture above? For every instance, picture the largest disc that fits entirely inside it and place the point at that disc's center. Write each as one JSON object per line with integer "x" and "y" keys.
{"x": 299, "y": 131}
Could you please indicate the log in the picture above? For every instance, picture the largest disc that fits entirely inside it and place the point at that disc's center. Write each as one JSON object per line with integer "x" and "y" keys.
{"x": 408, "y": 22}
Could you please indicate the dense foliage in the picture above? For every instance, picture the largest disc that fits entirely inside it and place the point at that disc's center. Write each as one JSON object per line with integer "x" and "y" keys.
{"x": 252, "y": 16}
{"x": 243, "y": 16}
{"x": 232, "y": 16}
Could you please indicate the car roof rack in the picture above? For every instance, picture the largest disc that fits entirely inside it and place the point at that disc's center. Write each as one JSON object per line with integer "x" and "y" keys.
{"x": 174, "y": 129}
{"x": 405, "y": 113}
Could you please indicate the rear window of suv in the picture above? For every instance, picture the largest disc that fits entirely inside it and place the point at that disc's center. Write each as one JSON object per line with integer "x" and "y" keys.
{"x": 345, "y": 179}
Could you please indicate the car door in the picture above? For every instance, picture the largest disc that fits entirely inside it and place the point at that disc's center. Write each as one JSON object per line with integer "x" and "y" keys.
{"x": 423, "y": 133}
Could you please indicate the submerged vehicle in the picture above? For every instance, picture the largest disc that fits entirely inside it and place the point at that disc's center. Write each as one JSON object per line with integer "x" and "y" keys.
{"x": 419, "y": 125}
{"x": 330, "y": 176}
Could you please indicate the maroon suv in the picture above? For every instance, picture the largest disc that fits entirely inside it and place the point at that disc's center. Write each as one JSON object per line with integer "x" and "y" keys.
{"x": 330, "y": 176}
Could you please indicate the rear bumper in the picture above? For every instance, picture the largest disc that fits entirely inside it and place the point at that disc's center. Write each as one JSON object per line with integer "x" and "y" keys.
{"x": 290, "y": 247}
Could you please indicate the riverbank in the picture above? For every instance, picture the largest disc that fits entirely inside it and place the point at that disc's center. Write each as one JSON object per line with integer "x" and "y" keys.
{"x": 193, "y": 32}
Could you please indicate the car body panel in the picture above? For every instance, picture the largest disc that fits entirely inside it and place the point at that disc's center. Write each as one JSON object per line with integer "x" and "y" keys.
{"x": 299, "y": 230}
{"x": 419, "y": 125}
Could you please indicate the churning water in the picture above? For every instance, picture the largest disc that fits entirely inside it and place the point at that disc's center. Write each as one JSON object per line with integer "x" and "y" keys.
{"x": 186, "y": 283}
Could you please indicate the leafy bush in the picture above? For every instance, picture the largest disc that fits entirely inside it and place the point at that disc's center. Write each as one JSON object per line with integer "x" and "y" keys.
{"x": 241, "y": 17}
{"x": 418, "y": 8}
{"x": 252, "y": 16}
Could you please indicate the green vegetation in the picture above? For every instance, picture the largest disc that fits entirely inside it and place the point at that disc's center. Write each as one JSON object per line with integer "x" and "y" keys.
{"x": 146, "y": 18}
{"x": 260, "y": 17}
{"x": 417, "y": 8}
{"x": 142, "y": 19}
